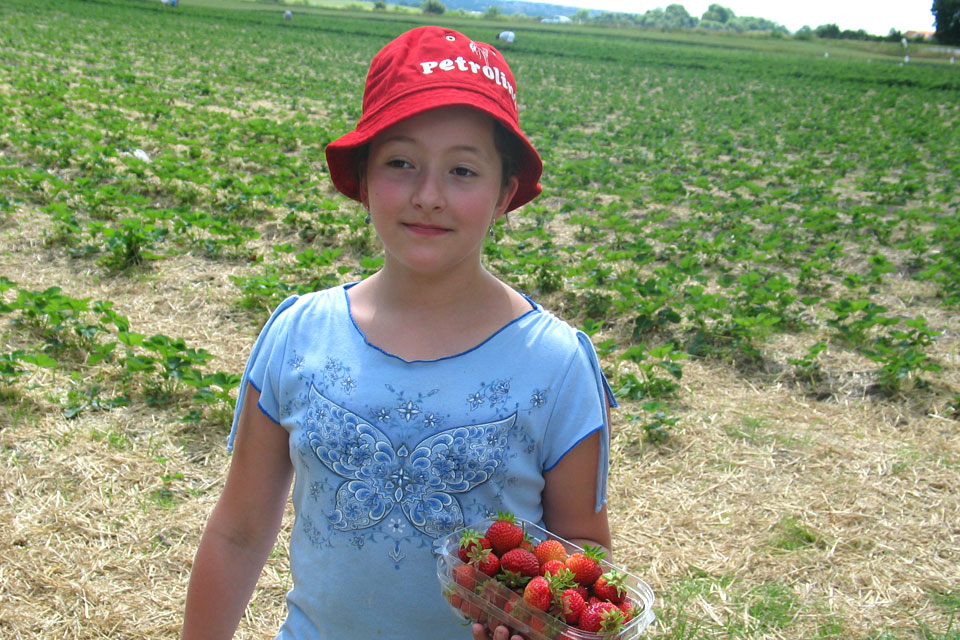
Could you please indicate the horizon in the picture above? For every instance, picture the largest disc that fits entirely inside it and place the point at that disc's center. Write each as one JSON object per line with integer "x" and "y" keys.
{"x": 875, "y": 20}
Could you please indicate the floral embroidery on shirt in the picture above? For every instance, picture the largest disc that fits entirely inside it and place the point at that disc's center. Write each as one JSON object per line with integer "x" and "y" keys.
{"x": 421, "y": 480}
{"x": 497, "y": 392}
{"x": 475, "y": 399}
{"x": 408, "y": 410}
{"x": 538, "y": 398}
{"x": 336, "y": 373}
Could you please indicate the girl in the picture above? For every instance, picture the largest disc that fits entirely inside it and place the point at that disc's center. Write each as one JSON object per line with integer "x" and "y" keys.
{"x": 420, "y": 400}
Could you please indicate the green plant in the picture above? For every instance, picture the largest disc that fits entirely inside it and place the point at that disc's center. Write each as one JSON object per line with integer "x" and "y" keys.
{"x": 128, "y": 244}
{"x": 648, "y": 385}
{"x": 655, "y": 421}
{"x": 807, "y": 367}
{"x": 772, "y": 606}
{"x": 901, "y": 354}
{"x": 791, "y": 535}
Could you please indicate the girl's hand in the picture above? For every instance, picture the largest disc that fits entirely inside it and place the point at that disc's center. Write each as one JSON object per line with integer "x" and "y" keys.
{"x": 501, "y": 633}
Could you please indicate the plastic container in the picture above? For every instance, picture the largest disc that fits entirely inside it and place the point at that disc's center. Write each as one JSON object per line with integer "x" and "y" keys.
{"x": 477, "y": 597}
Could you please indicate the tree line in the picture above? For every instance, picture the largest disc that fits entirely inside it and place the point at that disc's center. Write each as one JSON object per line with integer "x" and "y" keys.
{"x": 716, "y": 18}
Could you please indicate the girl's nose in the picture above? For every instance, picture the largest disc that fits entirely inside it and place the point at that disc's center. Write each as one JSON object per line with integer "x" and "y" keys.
{"x": 428, "y": 194}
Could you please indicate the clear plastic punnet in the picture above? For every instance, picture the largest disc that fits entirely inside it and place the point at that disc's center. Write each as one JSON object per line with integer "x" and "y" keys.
{"x": 476, "y": 597}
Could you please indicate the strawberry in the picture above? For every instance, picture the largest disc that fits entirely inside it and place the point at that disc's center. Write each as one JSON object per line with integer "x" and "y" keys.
{"x": 572, "y": 605}
{"x": 537, "y": 593}
{"x": 486, "y": 561}
{"x": 582, "y": 590}
{"x": 517, "y": 566}
{"x": 469, "y": 540}
{"x": 543, "y": 625}
{"x": 550, "y": 550}
{"x": 553, "y": 567}
{"x": 493, "y": 592}
{"x": 629, "y": 609}
{"x": 586, "y": 565}
{"x": 609, "y": 586}
{"x": 465, "y": 576}
{"x": 504, "y": 533}
{"x": 514, "y": 607}
{"x": 603, "y": 617}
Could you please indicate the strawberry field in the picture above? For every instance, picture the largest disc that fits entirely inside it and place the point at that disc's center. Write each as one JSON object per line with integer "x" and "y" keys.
{"x": 762, "y": 240}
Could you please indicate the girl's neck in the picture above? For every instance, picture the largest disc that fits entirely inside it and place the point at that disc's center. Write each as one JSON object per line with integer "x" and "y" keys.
{"x": 397, "y": 289}
{"x": 429, "y": 318}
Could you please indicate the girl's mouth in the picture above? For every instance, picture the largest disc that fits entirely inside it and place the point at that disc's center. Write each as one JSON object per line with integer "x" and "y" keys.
{"x": 425, "y": 229}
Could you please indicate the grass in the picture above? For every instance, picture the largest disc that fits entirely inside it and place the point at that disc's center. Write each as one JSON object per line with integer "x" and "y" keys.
{"x": 749, "y": 232}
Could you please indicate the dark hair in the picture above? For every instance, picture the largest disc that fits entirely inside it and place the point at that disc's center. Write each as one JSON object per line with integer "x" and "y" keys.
{"x": 510, "y": 150}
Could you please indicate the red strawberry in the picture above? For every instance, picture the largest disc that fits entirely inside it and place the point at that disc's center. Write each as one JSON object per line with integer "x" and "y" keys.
{"x": 537, "y": 593}
{"x": 543, "y": 625}
{"x": 630, "y": 610}
{"x": 586, "y": 565}
{"x": 469, "y": 540}
{"x": 550, "y": 550}
{"x": 504, "y": 533}
{"x": 512, "y": 606}
{"x": 526, "y": 543}
{"x": 487, "y": 562}
{"x": 553, "y": 567}
{"x": 582, "y": 590}
{"x": 610, "y": 587}
{"x": 465, "y": 576}
{"x": 572, "y": 605}
{"x": 518, "y": 566}
{"x": 602, "y": 616}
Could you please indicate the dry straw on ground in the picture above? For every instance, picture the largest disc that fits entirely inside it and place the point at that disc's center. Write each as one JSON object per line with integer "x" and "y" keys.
{"x": 839, "y": 504}
{"x": 851, "y": 500}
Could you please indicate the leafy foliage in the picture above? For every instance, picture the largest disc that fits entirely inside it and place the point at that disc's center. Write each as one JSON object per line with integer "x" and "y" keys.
{"x": 713, "y": 199}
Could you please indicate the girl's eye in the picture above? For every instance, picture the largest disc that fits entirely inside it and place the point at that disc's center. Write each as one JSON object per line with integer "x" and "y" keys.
{"x": 398, "y": 164}
{"x": 463, "y": 172}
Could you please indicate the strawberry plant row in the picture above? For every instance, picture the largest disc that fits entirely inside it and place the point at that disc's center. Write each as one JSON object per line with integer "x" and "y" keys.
{"x": 698, "y": 199}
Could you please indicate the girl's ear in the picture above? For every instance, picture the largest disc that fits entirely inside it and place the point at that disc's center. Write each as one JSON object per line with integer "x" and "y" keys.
{"x": 506, "y": 195}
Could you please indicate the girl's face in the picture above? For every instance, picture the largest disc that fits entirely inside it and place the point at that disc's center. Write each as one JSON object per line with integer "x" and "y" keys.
{"x": 433, "y": 186}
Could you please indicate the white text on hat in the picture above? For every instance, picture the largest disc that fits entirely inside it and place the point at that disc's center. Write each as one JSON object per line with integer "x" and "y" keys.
{"x": 460, "y": 64}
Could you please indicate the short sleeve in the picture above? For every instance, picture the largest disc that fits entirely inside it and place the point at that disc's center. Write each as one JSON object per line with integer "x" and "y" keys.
{"x": 580, "y": 411}
{"x": 262, "y": 367}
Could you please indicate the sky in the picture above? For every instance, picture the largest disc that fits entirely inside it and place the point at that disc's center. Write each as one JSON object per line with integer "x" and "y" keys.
{"x": 876, "y": 18}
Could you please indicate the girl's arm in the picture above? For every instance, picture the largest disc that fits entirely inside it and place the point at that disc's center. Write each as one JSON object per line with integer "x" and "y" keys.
{"x": 242, "y": 528}
{"x": 570, "y": 494}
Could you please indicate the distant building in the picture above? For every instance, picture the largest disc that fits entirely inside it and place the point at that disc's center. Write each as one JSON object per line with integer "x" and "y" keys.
{"x": 557, "y": 20}
{"x": 913, "y": 35}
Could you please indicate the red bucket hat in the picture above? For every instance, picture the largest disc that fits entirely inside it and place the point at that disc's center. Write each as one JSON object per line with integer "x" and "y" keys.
{"x": 427, "y": 68}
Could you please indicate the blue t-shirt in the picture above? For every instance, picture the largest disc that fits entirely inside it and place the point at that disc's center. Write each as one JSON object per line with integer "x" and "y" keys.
{"x": 391, "y": 454}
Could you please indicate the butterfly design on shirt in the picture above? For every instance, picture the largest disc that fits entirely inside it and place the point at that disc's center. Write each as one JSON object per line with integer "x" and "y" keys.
{"x": 421, "y": 480}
